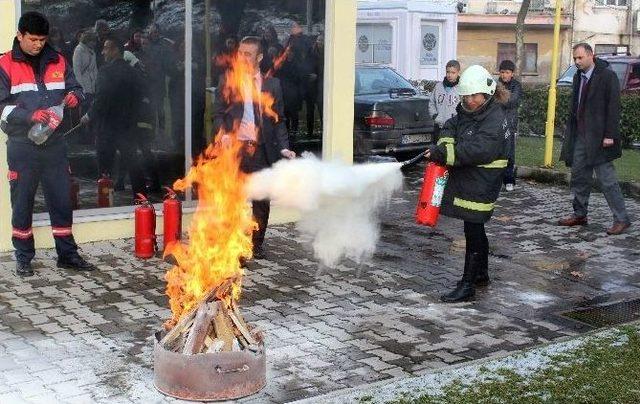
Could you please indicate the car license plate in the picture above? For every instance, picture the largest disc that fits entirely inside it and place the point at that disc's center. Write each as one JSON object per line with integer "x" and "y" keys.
{"x": 410, "y": 139}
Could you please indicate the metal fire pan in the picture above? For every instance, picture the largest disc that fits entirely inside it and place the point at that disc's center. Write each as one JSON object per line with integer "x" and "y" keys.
{"x": 209, "y": 376}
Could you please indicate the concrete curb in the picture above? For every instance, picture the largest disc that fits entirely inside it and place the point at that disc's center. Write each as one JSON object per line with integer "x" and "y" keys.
{"x": 399, "y": 385}
{"x": 550, "y": 176}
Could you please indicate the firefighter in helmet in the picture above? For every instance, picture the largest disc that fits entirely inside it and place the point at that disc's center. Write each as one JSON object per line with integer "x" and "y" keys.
{"x": 473, "y": 144}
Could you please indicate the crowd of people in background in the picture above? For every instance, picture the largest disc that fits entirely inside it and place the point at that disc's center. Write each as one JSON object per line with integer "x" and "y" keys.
{"x": 155, "y": 88}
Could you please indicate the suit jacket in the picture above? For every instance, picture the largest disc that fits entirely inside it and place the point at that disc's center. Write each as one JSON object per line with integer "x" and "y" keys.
{"x": 601, "y": 115}
{"x": 272, "y": 133}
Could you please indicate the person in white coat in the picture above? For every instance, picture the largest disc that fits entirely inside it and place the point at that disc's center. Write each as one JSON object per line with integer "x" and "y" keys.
{"x": 444, "y": 98}
{"x": 84, "y": 62}
{"x": 86, "y": 70}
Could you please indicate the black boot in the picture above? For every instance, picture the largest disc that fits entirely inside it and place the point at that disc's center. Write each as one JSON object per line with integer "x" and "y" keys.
{"x": 465, "y": 289}
{"x": 482, "y": 270}
{"x": 75, "y": 262}
{"x": 24, "y": 269}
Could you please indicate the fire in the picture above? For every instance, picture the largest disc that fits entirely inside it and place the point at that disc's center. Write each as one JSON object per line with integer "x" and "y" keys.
{"x": 220, "y": 232}
{"x": 279, "y": 60}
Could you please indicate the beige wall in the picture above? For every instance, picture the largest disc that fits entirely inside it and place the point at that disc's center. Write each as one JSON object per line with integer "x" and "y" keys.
{"x": 604, "y": 25}
{"x": 337, "y": 137}
{"x": 480, "y": 46}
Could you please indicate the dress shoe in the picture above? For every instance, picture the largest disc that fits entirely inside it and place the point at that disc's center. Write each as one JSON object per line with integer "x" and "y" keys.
{"x": 24, "y": 269}
{"x": 618, "y": 228}
{"x": 75, "y": 262}
{"x": 573, "y": 221}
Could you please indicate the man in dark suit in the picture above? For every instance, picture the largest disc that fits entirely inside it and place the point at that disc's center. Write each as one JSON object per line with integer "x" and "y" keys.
{"x": 261, "y": 129}
{"x": 115, "y": 112}
{"x": 592, "y": 139}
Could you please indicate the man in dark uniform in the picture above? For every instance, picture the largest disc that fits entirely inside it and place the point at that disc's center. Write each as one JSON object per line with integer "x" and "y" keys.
{"x": 265, "y": 138}
{"x": 33, "y": 78}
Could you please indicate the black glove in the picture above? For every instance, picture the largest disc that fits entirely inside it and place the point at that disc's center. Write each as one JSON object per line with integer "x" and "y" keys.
{"x": 437, "y": 154}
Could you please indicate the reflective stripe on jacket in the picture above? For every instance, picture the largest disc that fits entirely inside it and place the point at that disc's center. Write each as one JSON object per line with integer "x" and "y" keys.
{"x": 474, "y": 146}
{"x": 22, "y": 91}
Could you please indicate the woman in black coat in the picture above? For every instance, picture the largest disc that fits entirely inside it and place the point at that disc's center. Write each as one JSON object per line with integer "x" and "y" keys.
{"x": 473, "y": 144}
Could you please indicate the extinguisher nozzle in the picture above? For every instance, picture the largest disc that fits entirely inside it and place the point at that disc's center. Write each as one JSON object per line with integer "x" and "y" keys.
{"x": 412, "y": 161}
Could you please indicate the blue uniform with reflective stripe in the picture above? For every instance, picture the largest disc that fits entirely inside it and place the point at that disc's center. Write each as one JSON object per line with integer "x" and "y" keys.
{"x": 25, "y": 88}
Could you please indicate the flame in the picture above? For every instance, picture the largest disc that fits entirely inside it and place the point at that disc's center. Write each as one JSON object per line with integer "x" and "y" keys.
{"x": 279, "y": 61}
{"x": 221, "y": 228}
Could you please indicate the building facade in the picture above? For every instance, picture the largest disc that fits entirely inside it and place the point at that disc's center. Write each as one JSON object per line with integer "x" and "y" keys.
{"x": 611, "y": 26}
{"x": 486, "y": 36}
{"x": 416, "y": 38}
{"x": 486, "y": 32}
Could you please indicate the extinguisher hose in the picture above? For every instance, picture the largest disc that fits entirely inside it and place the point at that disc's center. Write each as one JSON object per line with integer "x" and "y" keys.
{"x": 414, "y": 160}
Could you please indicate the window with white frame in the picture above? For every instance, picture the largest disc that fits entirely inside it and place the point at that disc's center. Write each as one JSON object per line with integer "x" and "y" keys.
{"x": 507, "y": 51}
{"x": 611, "y": 49}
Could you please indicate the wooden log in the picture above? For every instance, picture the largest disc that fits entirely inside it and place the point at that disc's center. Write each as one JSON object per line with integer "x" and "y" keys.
{"x": 240, "y": 326}
{"x": 181, "y": 326}
{"x": 216, "y": 346}
{"x": 224, "y": 328}
{"x": 222, "y": 291}
{"x": 199, "y": 329}
{"x": 174, "y": 332}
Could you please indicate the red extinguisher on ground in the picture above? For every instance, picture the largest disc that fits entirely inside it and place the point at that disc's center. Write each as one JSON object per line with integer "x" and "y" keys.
{"x": 105, "y": 192}
{"x": 435, "y": 179}
{"x": 145, "y": 222}
{"x": 172, "y": 216}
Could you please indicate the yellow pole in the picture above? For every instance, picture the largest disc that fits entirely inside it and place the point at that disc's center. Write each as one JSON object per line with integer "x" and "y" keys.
{"x": 551, "y": 103}
{"x": 208, "y": 123}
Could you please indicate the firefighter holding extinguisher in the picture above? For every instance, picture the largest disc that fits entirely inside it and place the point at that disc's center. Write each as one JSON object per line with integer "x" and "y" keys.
{"x": 473, "y": 145}
{"x": 34, "y": 78}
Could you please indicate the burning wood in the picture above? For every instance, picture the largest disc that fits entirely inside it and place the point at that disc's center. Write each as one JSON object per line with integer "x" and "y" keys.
{"x": 214, "y": 325}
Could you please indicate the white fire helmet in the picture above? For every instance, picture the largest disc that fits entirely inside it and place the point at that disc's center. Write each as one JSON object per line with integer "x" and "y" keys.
{"x": 476, "y": 79}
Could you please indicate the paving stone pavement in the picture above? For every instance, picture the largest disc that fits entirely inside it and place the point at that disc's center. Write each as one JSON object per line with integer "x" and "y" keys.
{"x": 84, "y": 338}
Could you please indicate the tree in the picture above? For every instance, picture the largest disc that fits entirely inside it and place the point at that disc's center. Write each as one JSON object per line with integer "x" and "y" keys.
{"x": 520, "y": 20}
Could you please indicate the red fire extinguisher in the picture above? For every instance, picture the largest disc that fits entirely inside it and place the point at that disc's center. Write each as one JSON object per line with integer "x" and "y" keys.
{"x": 172, "y": 216}
{"x": 74, "y": 192}
{"x": 105, "y": 192}
{"x": 145, "y": 222}
{"x": 435, "y": 179}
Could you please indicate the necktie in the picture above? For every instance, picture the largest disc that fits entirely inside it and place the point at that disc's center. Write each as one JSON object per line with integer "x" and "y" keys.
{"x": 583, "y": 89}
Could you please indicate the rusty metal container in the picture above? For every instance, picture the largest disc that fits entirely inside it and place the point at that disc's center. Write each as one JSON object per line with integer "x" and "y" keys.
{"x": 209, "y": 376}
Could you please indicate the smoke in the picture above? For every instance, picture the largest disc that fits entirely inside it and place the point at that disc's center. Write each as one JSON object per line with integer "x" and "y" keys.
{"x": 339, "y": 203}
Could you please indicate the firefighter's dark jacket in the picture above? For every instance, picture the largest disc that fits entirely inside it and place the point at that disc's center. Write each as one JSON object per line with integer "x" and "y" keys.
{"x": 22, "y": 91}
{"x": 473, "y": 145}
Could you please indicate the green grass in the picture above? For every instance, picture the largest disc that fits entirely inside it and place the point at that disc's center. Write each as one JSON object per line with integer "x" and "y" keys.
{"x": 603, "y": 370}
{"x": 530, "y": 152}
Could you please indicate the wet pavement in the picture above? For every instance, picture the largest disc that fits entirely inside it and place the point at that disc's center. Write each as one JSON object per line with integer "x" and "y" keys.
{"x": 76, "y": 338}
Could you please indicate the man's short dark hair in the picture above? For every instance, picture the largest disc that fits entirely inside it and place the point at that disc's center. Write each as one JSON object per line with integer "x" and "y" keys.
{"x": 584, "y": 46}
{"x": 507, "y": 65}
{"x": 453, "y": 63}
{"x": 33, "y": 23}
{"x": 253, "y": 40}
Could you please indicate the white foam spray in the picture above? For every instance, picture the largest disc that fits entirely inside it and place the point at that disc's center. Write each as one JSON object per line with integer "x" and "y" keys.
{"x": 339, "y": 203}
